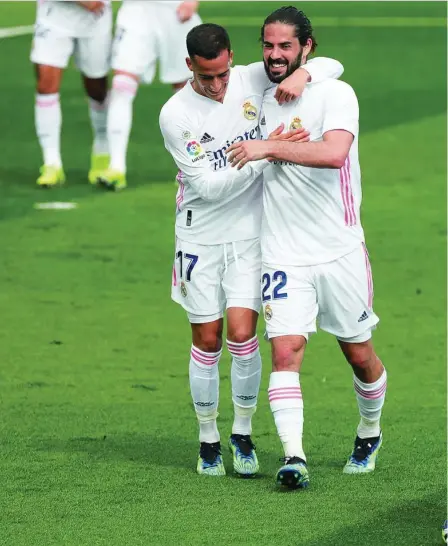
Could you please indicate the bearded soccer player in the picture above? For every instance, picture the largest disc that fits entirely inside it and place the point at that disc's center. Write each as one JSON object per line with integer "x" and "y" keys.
{"x": 147, "y": 32}
{"x": 64, "y": 28}
{"x": 217, "y": 257}
{"x": 315, "y": 261}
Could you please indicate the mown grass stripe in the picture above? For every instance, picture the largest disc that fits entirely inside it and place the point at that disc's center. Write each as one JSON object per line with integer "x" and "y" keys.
{"x": 411, "y": 22}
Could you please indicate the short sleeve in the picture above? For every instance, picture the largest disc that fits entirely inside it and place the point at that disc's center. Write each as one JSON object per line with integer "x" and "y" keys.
{"x": 341, "y": 108}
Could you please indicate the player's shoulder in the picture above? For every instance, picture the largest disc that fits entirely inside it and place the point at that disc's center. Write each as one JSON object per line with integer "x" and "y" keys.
{"x": 176, "y": 108}
{"x": 332, "y": 86}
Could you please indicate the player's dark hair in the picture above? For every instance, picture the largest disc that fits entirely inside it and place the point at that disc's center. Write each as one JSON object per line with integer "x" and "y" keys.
{"x": 207, "y": 41}
{"x": 289, "y": 15}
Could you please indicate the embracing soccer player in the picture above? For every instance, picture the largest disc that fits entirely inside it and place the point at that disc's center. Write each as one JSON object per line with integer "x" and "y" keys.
{"x": 315, "y": 261}
{"x": 218, "y": 216}
{"x": 82, "y": 28}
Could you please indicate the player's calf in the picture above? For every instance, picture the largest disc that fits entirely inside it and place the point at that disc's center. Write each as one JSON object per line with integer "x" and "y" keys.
{"x": 370, "y": 384}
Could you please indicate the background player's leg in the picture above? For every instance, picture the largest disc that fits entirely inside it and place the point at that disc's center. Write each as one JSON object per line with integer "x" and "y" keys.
{"x": 97, "y": 90}
{"x": 119, "y": 122}
{"x": 204, "y": 385}
{"x": 48, "y": 121}
{"x": 369, "y": 380}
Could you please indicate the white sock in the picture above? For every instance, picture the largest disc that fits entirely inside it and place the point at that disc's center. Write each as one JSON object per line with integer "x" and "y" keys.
{"x": 246, "y": 377}
{"x": 48, "y": 120}
{"x": 98, "y": 119}
{"x": 285, "y": 398}
{"x": 204, "y": 386}
{"x": 119, "y": 119}
{"x": 370, "y": 397}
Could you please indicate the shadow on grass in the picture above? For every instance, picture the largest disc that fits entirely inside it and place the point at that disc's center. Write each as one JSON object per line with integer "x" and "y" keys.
{"x": 414, "y": 523}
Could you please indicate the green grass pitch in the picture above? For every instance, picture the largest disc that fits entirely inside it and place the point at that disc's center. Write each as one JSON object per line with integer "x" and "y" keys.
{"x": 97, "y": 431}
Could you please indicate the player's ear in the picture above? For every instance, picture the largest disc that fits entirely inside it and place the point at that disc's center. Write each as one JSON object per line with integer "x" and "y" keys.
{"x": 231, "y": 59}
{"x": 189, "y": 63}
{"x": 306, "y": 49}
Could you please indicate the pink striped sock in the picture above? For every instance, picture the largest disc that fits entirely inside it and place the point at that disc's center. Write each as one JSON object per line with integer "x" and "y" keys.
{"x": 204, "y": 385}
{"x": 246, "y": 377}
{"x": 285, "y": 398}
{"x": 370, "y": 397}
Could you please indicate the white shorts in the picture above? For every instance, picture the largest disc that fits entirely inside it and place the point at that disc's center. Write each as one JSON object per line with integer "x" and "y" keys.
{"x": 338, "y": 294}
{"x": 52, "y": 47}
{"x": 145, "y": 34}
{"x": 208, "y": 279}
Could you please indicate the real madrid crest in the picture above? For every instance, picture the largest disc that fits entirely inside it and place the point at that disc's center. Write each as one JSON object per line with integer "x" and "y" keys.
{"x": 296, "y": 123}
{"x": 250, "y": 111}
{"x": 183, "y": 289}
{"x": 268, "y": 312}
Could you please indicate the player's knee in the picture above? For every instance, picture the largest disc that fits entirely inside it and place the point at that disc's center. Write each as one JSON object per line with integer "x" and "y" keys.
{"x": 96, "y": 88}
{"x": 208, "y": 338}
{"x": 360, "y": 355}
{"x": 209, "y": 343}
{"x": 48, "y": 80}
{"x": 240, "y": 335}
{"x": 288, "y": 356}
{"x": 46, "y": 85}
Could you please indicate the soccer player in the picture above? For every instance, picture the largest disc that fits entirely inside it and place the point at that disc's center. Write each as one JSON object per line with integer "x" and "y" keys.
{"x": 217, "y": 256}
{"x": 146, "y": 31}
{"x": 315, "y": 261}
{"x": 82, "y": 28}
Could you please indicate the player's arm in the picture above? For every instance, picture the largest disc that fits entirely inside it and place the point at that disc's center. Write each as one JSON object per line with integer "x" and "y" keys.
{"x": 186, "y": 10}
{"x": 192, "y": 160}
{"x": 330, "y": 153}
{"x": 340, "y": 125}
{"x": 315, "y": 70}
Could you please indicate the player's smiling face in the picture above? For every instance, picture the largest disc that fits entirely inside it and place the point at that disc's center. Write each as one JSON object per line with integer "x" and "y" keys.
{"x": 282, "y": 52}
{"x": 211, "y": 76}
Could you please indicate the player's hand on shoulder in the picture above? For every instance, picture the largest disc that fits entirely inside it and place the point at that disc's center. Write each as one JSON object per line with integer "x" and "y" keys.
{"x": 95, "y": 6}
{"x": 186, "y": 10}
{"x": 292, "y": 87}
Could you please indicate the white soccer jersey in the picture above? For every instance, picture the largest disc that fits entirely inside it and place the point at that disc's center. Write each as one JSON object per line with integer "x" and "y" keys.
{"x": 70, "y": 18}
{"x": 217, "y": 204}
{"x": 312, "y": 216}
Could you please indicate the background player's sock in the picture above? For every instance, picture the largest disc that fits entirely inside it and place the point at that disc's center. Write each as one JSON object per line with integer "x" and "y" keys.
{"x": 285, "y": 398}
{"x": 48, "y": 120}
{"x": 370, "y": 397}
{"x": 246, "y": 377}
{"x": 98, "y": 119}
{"x": 119, "y": 120}
{"x": 204, "y": 386}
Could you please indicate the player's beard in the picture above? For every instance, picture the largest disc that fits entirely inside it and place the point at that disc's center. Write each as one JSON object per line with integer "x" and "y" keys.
{"x": 292, "y": 67}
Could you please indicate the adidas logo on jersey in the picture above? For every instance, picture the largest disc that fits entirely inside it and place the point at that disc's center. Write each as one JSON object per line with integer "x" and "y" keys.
{"x": 364, "y": 316}
{"x": 206, "y": 138}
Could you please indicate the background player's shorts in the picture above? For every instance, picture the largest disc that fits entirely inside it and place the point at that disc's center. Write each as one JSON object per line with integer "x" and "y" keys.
{"x": 53, "y": 47}
{"x": 208, "y": 279}
{"x": 338, "y": 294}
{"x": 148, "y": 33}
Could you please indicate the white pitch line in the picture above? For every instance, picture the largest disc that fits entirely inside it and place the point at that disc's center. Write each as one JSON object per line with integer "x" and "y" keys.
{"x": 16, "y": 31}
